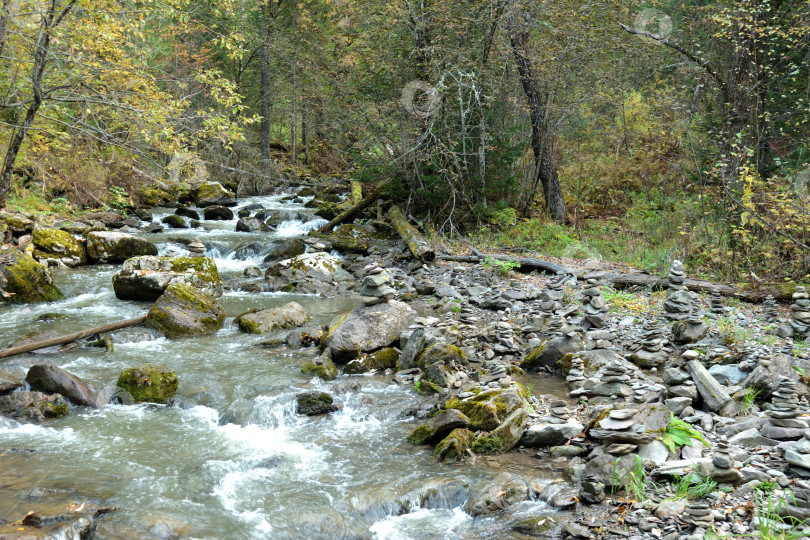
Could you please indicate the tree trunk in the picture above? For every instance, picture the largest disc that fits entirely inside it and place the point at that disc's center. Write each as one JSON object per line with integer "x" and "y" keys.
{"x": 544, "y": 174}
{"x": 5, "y": 12}
{"x": 267, "y": 13}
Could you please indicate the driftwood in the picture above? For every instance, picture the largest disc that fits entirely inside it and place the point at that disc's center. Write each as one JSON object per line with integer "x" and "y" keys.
{"x": 70, "y": 337}
{"x": 349, "y": 214}
{"x": 781, "y": 293}
{"x": 420, "y": 248}
{"x": 527, "y": 264}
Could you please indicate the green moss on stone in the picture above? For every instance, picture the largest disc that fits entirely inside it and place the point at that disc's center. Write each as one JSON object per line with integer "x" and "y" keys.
{"x": 426, "y": 388}
{"x": 420, "y": 434}
{"x": 27, "y": 281}
{"x": 487, "y": 445}
{"x": 455, "y": 445}
{"x": 325, "y": 370}
{"x": 56, "y": 244}
{"x": 149, "y": 383}
{"x": 55, "y": 410}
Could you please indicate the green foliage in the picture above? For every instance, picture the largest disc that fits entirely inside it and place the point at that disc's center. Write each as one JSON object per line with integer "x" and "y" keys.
{"x": 634, "y": 480}
{"x": 504, "y": 267}
{"x": 693, "y": 486}
{"x": 750, "y": 396}
{"x": 679, "y": 433}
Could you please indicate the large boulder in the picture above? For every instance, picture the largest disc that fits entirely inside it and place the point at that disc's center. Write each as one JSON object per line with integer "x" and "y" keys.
{"x": 116, "y": 247}
{"x": 443, "y": 354}
{"x": 766, "y": 379}
{"x": 309, "y": 273}
{"x": 185, "y": 311}
{"x": 16, "y": 222}
{"x": 217, "y": 213}
{"x": 33, "y": 406}
{"x": 212, "y": 194}
{"x": 148, "y": 383}
{"x": 251, "y": 224}
{"x": 542, "y": 435}
{"x": 371, "y": 362}
{"x": 488, "y": 409}
{"x": 23, "y": 280}
{"x": 505, "y": 490}
{"x": 367, "y": 329}
{"x": 505, "y": 436}
{"x": 262, "y": 321}
{"x": 288, "y": 249}
{"x": 438, "y": 427}
{"x": 456, "y": 446}
{"x": 59, "y": 245}
{"x": 551, "y": 351}
{"x": 146, "y": 278}
{"x": 51, "y": 379}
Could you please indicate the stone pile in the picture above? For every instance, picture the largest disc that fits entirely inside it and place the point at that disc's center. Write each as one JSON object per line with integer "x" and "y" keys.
{"x": 699, "y": 514}
{"x": 576, "y": 374}
{"x": 787, "y": 347}
{"x": 467, "y": 316}
{"x": 554, "y": 327}
{"x": 716, "y": 303}
{"x": 554, "y": 292}
{"x": 594, "y": 304}
{"x": 506, "y": 339}
{"x": 769, "y": 309}
{"x": 612, "y": 381}
{"x": 800, "y": 313}
{"x": 196, "y": 248}
{"x": 783, "y": 416}
{"x": 559, "y": 413}
{"x": 618, "y": 423}
{"x": 691, "y": 330}
{"x": 799, "y": 457}
{"x": 679, "y": 301}
{"x": 722, "y": 456}
{"x": 376, "y": 288}
{"x": 651, "y": 353}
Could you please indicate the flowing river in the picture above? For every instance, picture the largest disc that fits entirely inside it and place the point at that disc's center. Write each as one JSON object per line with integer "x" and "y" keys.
{"x": 230, "y": 459}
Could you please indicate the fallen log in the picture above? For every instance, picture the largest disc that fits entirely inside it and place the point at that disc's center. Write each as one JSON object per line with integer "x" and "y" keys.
{"x": 417, "y": 244}
{"x": 350, "y": 213}
{"x": 526, "y": 264}
{"x": 70, "y": 337}
{"x": 781, "y": 292}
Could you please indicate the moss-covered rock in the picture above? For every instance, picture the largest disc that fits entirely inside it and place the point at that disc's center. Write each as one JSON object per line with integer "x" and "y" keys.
{"x": 455, "y": 446}
{"x": 60, "y": 245}
{"x": 504, "y": 437}
{"x": 425, "y": 387}
{"x": 151, "y": 196}
{"x": 174, "y": 221}
{"x": 23, "y": 280}
{"x": 551, "y": 351}
{"x": 313, "y": 403}
{"x": 148, "y": 383}
{"x": 438, "y": 427}
{"x": 262, "y": 321}
{"x": 185, "y": 311}
{"x": 16, "y": 222}
{"x": 321, "y": 367}
{"x": 367, "y": 329}
{"x": 376, "y": 361}
{"x": 440, "y": 354}
{"x": 33, "y": 406}
{"x": 212, "y": 194}
{"x": 116, "y": 247}
{"x": 146, "y": 277}
{"x": 486, "y": 410}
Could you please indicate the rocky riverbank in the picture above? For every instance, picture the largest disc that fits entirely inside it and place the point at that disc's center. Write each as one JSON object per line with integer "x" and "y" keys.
{"x": 678, "y": 413}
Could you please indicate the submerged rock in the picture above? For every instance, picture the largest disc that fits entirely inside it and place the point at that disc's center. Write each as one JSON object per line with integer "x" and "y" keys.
{"x": 313, "y": 403}
{"x": 23, "y": 280}
{"x": 185, "y": 311}
{"x": 148, "y": 383}
{"x": 504, "y": 491}
{"x": 262, "y": 321}
{"x": 116, "y": 247}
{"x": 147, "y": 277}
{"x": 321, "y": 367}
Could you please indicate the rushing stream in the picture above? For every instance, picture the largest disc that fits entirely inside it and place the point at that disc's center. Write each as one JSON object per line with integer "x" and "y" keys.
{"x": 230, "y": 459}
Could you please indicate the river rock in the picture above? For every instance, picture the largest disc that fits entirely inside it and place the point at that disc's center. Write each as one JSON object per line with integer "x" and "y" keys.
{"x": 23, "y": 280}
{"x": 504, "y": 491}
{"x": 262, "y": 321}
{"x": 414, "y": 346}
{"x": 187, "y": 212}
{"x": 438, "y": 427}
{"x": 766, "y": 375}
{"x": 116, "y": 247}
{"x": 175, "y": 221}
{"x": 53, "y": 244}
{"x": 367, "y": 329}
{"x": 441, "y": 354}
{"x": 455, "y": 446}
{"x": 505, "y": 436}
{"x": 185, "y": 311}
{"x": 307, "y": 273}
{"x": 313, "y": 403}
{"x": 217, "y": 213}
{"x": 321, "y": 367}
{"x": 711, "y": 391}
{"x": 147, "y": 277}
{"x": 148, "y": 383}
{"x": 372, "y": 362}
{"x": 33, "y": 406}
{"x": 551, "y": 351}
{"x": 211, "y": 194}
{"x": 51, "y": 379}
{"x": 250, "y": 224}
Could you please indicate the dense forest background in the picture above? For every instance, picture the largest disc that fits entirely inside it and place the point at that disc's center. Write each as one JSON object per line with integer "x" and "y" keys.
{"x": 634, "y": 131}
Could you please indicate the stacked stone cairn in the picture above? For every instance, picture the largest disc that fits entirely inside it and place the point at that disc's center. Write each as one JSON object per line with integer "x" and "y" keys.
{"x": 197, "y": 249}
{"x": 748, "y": 358}
{"x": 722, "y": 456}
{"x": 692, "y": 330}
{"x": 769, "y": 309}
{"x": 576, "y": 374}
{"x": 593, "y": 490}
{"x": 783, "y": 423}
{"x": 618, "y": 422}
{"x": 799, "y": 457}
{"x": 787, "y": 347}
{"x": 554, "y": 292}
{"x": 699, "y": 514}
{"x": 614, "y": 382}
{"x": 559, "y": 413}
{"x": 651, "y": 353}
{"x": 800, "y": 313}
{"x": 679, "y": 301}
{"x": 506, "y": 339}
{"x": 594, "y": 304}
{"x": 555, "y": 327}
{"x": 376, "y": 288}
{"x": 716, "y": 303}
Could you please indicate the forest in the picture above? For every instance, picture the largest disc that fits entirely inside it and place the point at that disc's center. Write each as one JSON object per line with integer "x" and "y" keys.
{"x": 629, "y": 131}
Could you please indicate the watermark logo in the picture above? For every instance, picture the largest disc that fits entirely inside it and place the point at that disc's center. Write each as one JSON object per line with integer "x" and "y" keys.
{"x": 421, "y": 99}
{"x": 800, "y": 182}
{"x": 188, "y": 167}
{"x": 112, "y": 397}
{"x": 581, "y": 250}
{"x": 653, "y": 23}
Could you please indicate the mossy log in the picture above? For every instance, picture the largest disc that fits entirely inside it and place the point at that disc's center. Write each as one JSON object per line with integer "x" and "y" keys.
{"x": 350, "y": 213}
{"x": 782, "y": 292}
{"x": 527, "y": 264}
{"x": 70, "y": 337}
{"x": 419, "y": 247}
